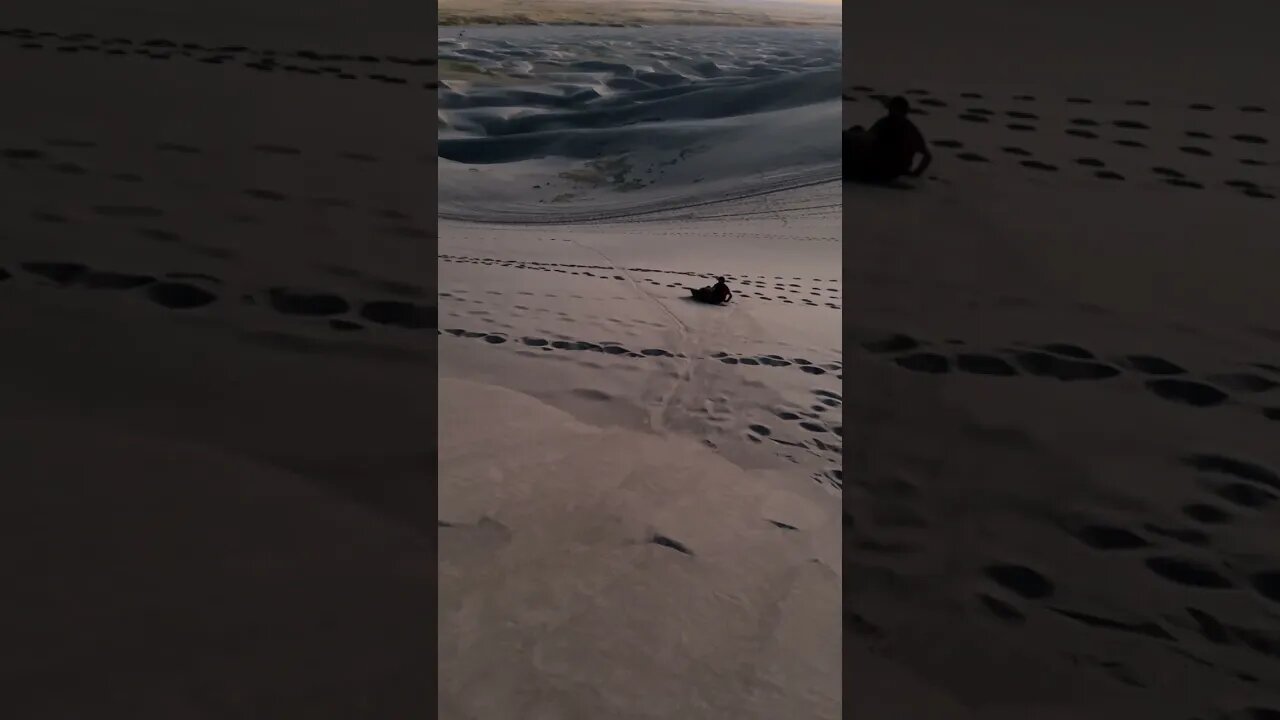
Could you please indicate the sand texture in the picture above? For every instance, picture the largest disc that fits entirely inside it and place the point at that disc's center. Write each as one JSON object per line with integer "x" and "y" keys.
{"x": 632, "y": 13}
{"x": 639, "y": 493}
{"x": 1063, "y": 395}
{"x": 219, "y": 495}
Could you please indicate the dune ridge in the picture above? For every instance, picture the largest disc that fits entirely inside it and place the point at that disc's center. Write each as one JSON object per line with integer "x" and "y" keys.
{"x": 533, "y": 124}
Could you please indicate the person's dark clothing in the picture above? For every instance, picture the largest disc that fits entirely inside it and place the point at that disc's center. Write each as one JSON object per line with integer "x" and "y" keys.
{"x": 899, "y": 141}
{"x": 717, "y": 294}
{"x": 885, "y": 152}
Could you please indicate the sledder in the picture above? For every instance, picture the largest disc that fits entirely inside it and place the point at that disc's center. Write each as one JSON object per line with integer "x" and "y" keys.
{"x": 717, "y": 294}
{"x": 888, "y": 150}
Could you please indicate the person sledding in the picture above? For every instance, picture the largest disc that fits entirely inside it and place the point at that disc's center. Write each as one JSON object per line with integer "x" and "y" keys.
{"x": 717, "y": 294}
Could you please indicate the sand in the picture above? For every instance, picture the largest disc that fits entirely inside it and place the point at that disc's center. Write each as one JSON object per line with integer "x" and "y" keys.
{"x": 638, "y": 493}
{"x": 219, "y": 492}
{"x": 1063, "y": 383}
{"x": 636, "y": 13}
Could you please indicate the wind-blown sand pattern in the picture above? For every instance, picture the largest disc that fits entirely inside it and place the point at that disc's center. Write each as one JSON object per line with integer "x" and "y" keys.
{"x": 639, "y": 491}
{"x": 559, "y": 124}
{"x": 629, "y": 13}
{"x": 215, "y": 308}
{"x": 1062, "y": 416}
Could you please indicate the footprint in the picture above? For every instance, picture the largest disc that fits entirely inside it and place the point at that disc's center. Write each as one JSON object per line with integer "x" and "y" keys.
{"x": 1042, "y": 364}
{"x": 1206, "y": 514}
{"x": 1108, "y": 175}
{"x": 1021, "y": 580}
{"x": 1107, "y": 537}
{"x": 1188, "y": 572}
{"x": 1210, "y": 627}
{"x": 1086, "y": 134}
{"x": 1187, "y": 392}
{"x": 179, "y": 296}
{"x": 1250, "y": 139}
{"x": 925, "y": 363}
{"x": 1038, "y": 165}
{"x": 309, "y": 304}
{"x": 1241, "y": 184}
{"x": 1244, "y": 495}
{"x": 1267, "y": 584}
{"x": 396, "y": 313}
{"x": 984, "y": 365}
{"x": 1240, "y": 469}
{"x": 1152, "y": 365}
{"x": 58, "y": 272}
{"x": 892, "y": 344}
{"x": 972, "y": 157}
{"x": 1068, "y": 350}
{"x": 344, "y": 325}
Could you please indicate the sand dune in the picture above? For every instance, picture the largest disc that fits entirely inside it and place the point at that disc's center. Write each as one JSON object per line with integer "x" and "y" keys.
{"x": 654, "y": 517}
{"x": 653, "y": 127}
{"x": 744, "y": 13}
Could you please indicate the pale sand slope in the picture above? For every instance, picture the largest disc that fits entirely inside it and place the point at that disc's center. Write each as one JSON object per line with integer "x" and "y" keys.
{"x": 217, "y": 505}
{"x": 705, "y": 425}
{"x": 608, "y": 573}
{"x": 1087, "y": 531}
{"x": 663, "y": 543}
